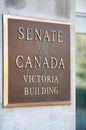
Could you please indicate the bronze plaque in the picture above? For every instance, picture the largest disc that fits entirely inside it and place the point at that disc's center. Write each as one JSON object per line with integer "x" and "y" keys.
{"x": 36, "y": 62}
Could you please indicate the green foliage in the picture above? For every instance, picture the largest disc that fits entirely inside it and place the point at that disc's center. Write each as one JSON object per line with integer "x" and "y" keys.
{"x": 81, "y": 98}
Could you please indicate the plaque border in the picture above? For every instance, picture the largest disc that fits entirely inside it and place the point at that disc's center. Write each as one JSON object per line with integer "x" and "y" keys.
{"x": 5, "y": 63}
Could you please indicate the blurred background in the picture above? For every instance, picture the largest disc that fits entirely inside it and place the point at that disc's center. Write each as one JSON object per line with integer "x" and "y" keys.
{"x": 80, "y": 64}
{"x": 81, "y": 81}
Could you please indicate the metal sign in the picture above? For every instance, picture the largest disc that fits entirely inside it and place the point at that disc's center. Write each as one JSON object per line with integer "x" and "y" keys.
{"x": 36, "y": 62}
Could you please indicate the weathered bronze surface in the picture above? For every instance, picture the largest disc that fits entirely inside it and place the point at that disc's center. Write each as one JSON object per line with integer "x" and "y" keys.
{"x": 36, "y": 62}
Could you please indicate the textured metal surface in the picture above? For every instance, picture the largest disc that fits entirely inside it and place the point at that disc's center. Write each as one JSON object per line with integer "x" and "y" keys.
{"x": 52, "y": 86}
